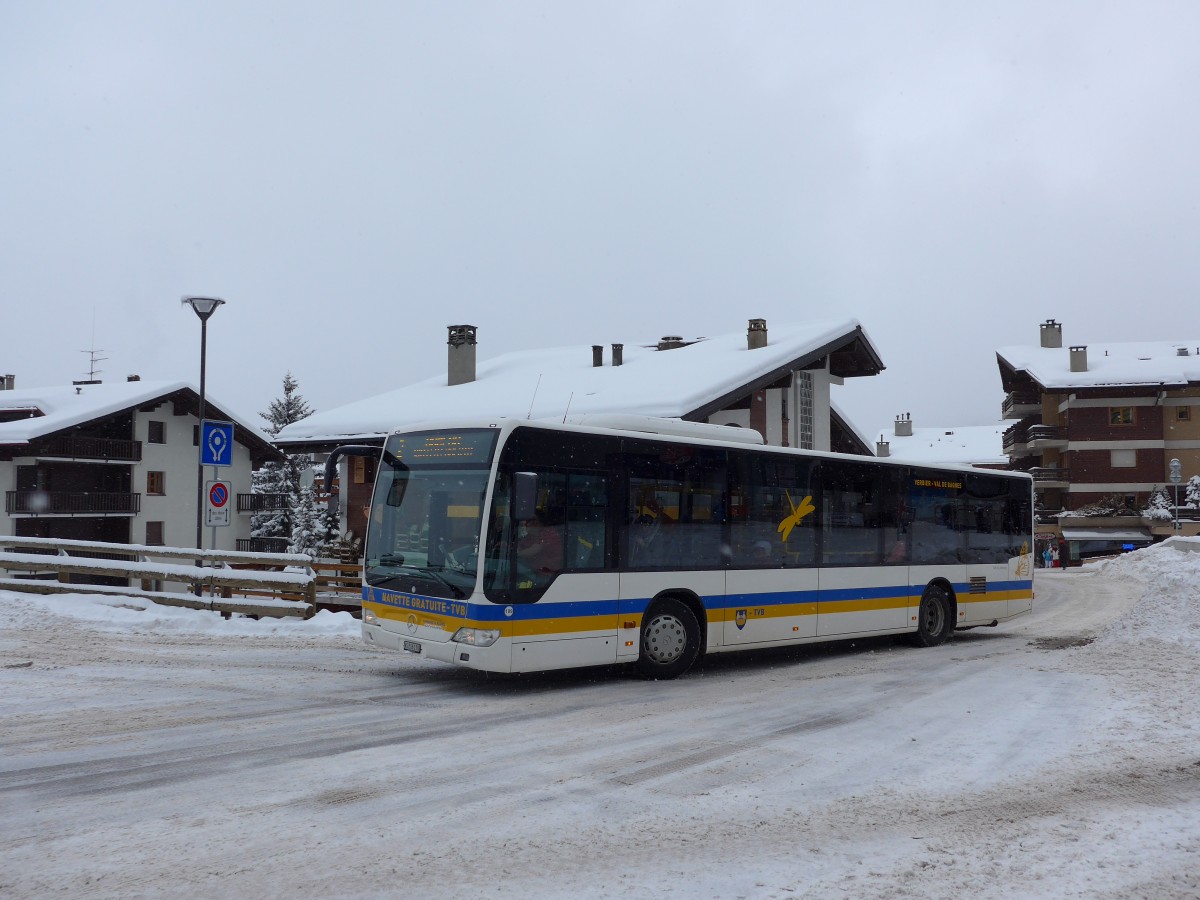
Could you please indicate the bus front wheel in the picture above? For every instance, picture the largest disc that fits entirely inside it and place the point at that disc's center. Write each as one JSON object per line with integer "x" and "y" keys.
{"x": 670, "y": 640}
{"x": 935, "y": 618}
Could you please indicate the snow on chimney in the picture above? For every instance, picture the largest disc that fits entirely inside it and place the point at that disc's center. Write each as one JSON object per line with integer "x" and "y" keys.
{"x": 1051, "y": 333}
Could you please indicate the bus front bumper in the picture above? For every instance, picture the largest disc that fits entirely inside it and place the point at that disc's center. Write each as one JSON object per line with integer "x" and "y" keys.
{"x": 497, "y": 658}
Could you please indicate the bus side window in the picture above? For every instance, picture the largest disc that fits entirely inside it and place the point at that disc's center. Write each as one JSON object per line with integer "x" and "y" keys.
{"x": 675, "y": 508}
{"x": 772, "y": 512}
{"x": 851, "y": 508}
{"x": 587, "y": 513}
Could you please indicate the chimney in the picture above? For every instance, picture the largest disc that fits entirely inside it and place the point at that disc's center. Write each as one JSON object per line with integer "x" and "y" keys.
{"x": 756, "y": 334}
{"x": 1051, "y": 333}
{"x": 1079, "y": 359}
{"x": 460, "y": 367}
{"x": 670, "y": 342}
{"x": 882, "y": 448}
{"x": 597, "y": 355}
{"x": 1181, "y": 351}
{"x": 904, "y": 425}
{"x": 7, "y": 382}
{"x": 618, "y": 354}
{"x": 133, "y": 377}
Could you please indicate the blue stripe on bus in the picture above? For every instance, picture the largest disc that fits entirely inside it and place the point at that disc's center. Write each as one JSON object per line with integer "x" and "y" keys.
{"x": 495, "y": 612}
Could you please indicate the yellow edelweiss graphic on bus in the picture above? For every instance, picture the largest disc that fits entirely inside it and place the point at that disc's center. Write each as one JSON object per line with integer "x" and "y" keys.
{"x": 798, "y": 513}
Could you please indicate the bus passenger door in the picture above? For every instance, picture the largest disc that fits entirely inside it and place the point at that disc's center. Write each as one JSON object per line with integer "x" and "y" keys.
{"x": 574, "y": 621}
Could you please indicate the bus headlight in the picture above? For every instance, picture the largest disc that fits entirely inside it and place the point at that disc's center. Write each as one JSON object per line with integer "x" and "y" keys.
{"x": 368, "y": 616}
{"x": 477, "y": 637}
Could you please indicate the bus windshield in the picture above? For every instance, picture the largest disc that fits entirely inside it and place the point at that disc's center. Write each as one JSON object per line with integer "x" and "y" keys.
{"x": 426, "y": 512}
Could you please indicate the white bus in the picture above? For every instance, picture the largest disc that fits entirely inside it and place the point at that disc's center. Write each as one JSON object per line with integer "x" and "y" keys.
{"x": 520, "y": 546}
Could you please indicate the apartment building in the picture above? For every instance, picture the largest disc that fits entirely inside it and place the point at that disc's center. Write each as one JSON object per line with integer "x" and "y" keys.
{"x": 118, "y": 462}
{"x": 1097, "y": 425}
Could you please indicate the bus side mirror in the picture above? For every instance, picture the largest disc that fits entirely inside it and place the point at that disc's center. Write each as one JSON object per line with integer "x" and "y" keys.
{"x": 332, "y": 462}
{"x": 525, "y": 491}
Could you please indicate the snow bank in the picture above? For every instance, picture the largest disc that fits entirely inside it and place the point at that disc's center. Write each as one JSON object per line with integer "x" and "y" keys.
{"x": 1169, "y": 610}
{"x": 118, "y": 613}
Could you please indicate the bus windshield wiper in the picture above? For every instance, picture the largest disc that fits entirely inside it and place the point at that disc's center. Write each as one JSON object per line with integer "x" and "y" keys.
{"x": 456, "y": 591}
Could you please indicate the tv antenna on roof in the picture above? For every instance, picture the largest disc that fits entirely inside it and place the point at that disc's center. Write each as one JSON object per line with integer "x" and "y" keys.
{"x": 92, "y": 370}
{"x": 92, "y": 357}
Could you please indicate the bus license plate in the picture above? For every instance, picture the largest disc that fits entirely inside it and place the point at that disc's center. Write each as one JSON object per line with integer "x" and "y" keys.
{"x": 412, "y": 646}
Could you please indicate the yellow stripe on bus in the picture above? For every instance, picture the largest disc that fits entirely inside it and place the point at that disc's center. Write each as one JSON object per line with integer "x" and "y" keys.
{"x": 531, "y": 627}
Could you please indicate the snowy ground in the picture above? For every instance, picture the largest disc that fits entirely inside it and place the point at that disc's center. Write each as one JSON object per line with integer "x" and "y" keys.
{"x": 150, "y": 752}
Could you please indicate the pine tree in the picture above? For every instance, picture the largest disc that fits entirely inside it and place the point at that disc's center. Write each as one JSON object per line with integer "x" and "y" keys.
{"x": 285, "y": 410}
{"x": 281, "y": 478}
{"x": 304, "y": 525}
{"x": 1158, "y": 507}
{"x": 1193, "y": 491}
{"x": 314, "y": 526}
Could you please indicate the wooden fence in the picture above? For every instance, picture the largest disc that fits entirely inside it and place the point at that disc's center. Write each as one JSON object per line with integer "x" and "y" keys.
{"x": 263, "y": 584}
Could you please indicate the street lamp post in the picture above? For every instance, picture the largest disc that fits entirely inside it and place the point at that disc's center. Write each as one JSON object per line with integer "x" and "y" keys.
{"x": 1176, "y": 477}
{"x": 203, "y": 307}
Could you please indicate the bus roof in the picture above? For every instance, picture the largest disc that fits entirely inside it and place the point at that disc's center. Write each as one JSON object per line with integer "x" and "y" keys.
{"x": 678, "y": 431}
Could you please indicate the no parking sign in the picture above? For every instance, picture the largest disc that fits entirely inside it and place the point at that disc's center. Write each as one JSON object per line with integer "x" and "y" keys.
{"x": 216, "y": 503}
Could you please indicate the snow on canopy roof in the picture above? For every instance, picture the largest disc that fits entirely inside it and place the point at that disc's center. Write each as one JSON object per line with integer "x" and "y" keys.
{"x": 1109, "y": 365}
{"x": 72, "y": 405}
{"x": 968, "y": 445}
{"x": 553, "y": 383}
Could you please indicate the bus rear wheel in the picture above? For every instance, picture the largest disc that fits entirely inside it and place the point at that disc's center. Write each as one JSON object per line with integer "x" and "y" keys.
{"x": 935, "y": 618}
{"x": 670, "y": 640}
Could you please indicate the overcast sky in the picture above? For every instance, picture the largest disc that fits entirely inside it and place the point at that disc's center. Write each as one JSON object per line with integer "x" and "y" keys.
{"x": 352, "y": 178}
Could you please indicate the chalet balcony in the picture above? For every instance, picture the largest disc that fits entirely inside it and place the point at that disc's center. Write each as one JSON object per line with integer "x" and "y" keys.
{"x": 1015, "y": 442}
{"x": 256, "y": 503}
{"x": 71, "y": 503}
{"x": 1042, "y": 437}
{"x": 1045, "y": 477}
{"x": 1019, "y": 404}
{"x": 91, "y": 448}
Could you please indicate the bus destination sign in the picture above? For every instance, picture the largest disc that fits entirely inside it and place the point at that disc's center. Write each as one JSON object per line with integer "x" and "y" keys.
{"x": 425, "y": 448}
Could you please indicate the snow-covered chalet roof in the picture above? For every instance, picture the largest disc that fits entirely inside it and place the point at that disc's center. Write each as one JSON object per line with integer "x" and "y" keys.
{"x": 689, "y": 381}
{"x": 1108, "y": 365}
{"x": 53, "y": 409}
{"x": 974, "y": 445}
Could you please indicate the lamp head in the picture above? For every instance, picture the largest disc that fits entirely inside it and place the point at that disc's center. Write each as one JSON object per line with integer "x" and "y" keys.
{"x": 203, "y": 306}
